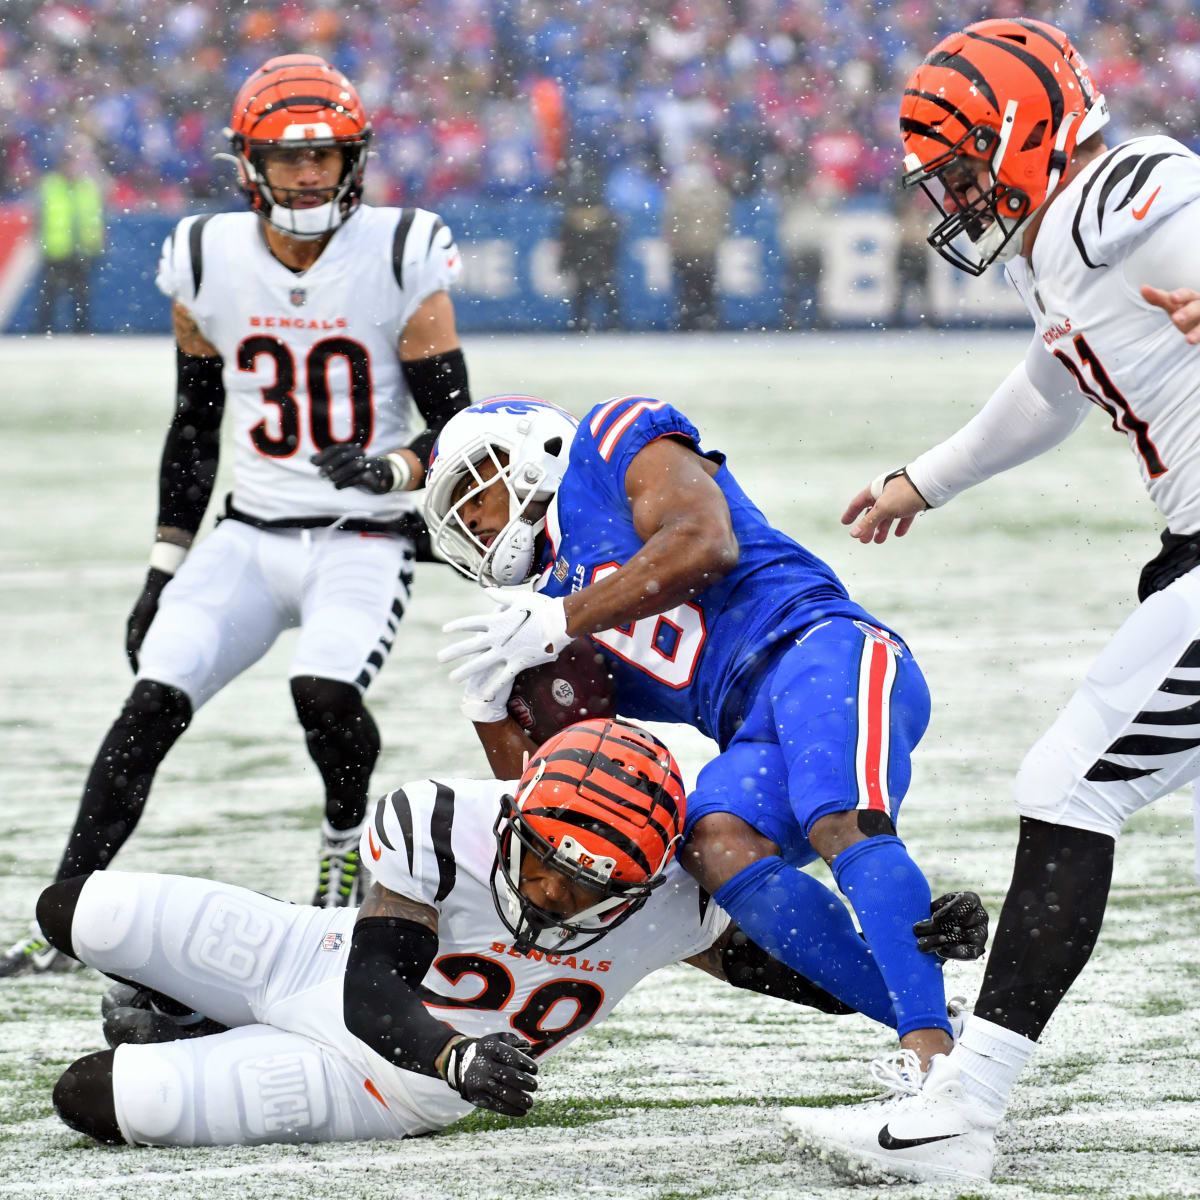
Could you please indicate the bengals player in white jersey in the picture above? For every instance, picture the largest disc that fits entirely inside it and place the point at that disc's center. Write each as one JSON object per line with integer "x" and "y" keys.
{"x": 1002, "y": 126}
{"x": 320, "y": 323}
{"x": 504, "y": 920}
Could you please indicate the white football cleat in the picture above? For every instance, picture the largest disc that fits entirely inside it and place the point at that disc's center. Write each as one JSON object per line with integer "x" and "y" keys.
{"x": 924, "y": 1131}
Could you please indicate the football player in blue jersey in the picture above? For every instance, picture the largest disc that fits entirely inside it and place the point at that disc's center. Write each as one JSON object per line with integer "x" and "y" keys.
{"x": 708, "y": 615}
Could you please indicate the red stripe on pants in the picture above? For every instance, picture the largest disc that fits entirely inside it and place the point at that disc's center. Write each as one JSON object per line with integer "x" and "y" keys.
{"x": 877, "y": 671}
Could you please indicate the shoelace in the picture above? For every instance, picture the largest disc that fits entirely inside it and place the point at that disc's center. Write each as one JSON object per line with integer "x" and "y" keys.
{"x": 899, "y": 1072}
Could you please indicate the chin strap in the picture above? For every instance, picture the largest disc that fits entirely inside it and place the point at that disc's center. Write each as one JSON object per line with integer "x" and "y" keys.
{"x": 509, "y": 560}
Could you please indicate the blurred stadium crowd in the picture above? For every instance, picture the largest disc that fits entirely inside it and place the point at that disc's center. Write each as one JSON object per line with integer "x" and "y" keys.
{"x": 491, "y": 98}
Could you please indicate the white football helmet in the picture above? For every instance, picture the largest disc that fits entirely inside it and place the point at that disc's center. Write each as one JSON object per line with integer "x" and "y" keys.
{"x": 527, "y": 441}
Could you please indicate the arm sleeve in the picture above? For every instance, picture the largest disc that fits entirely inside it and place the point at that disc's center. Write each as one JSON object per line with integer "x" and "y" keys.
{"x": 1029, "y": 413}
{"x": 439, "y": 389}
{"x": 192, "y": 449}
{"x": 388, "y": 959}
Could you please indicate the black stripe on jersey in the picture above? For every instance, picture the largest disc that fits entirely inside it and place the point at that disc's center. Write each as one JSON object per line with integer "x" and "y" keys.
{"x": 403, "y": 811}
{"x": 196, "y": 251}
{"x": 399, "y": 238}
{"x": 704, "y": 899}
{"x": 1120, "y": 171}
{"x": 1189, "y": 714}
{"x": 379, "y": 829}
{"x": 965, "y": 67}
{"x": 1180, "y": 687}
{"x": 1054, "y": 92}
{"x": 566, "y": 817}
{"x": 1152, "y": 743}
{"x": 1191, "y": 656}
{"x": 1104, "y": 771}
{"x": 438, "y": 224}
{"x": 1123, "y": 168}
{"x": 1143, "y": 173}
{"x": 441, "y": 825}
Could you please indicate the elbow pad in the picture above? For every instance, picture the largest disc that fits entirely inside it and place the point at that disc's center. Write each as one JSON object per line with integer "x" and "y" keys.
{"x": 192, "y": 448}
{"x": 388, "y": 959}
{"x": 439, "y": 389}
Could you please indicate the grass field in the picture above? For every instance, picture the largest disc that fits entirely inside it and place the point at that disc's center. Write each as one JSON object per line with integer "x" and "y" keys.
{"x": 1004, "y": 596}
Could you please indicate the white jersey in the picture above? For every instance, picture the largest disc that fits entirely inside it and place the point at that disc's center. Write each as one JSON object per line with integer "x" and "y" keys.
{"x": 310, "y": 357}
{"x": 1124, "y": 354}
{"x": 432, "y": 842}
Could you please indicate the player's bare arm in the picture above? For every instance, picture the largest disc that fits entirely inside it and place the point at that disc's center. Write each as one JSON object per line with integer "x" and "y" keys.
{"x": 506, "y": 745}
{"x": 187, "y": 334}
{"x": 380, "y": 902}
{"x": 682, "y": 517}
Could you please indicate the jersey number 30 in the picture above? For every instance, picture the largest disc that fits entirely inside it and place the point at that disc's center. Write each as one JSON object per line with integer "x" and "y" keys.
{"x": 285, "y": 440}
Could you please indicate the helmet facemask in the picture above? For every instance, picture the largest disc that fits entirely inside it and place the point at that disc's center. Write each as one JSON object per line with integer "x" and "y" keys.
{"x": 533, "y": 927}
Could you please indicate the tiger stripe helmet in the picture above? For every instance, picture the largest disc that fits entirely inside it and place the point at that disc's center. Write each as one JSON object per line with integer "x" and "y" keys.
{"x": 992, "y": 116}
{"x": 602, "y": 802}
{"x": 293, "y": 100}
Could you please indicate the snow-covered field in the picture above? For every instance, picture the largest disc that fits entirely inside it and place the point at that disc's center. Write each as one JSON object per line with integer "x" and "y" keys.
{"x": 1004, "y": 596}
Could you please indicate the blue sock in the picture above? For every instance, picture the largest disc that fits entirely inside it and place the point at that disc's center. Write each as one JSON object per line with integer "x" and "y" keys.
{"x": 889, "y": 894}
{"x": 801, "y": 922}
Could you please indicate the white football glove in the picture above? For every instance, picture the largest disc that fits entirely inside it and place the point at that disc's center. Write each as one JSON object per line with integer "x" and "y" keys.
{"x": 480, "y": 704}
{"x": 523, "y": 632}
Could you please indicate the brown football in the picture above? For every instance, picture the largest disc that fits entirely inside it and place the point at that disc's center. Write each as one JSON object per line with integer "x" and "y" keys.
{"x": 577, "y": 685}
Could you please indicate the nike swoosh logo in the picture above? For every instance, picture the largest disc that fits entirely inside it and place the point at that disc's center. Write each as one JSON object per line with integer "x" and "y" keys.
{"x": 888, "y": 1142}
{"x": 375, "y": 850}
{"x": 1139, "y": 213}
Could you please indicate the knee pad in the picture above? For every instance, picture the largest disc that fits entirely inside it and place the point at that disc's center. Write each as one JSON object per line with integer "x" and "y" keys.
{"x": 154, "y": 1094}
{"x": 83, "y": 1097}
{"x": 152, "y": 719}
{"x": 56, "y": 910}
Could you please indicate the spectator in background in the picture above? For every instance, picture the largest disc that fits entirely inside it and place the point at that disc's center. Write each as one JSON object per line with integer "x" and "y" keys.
{"x": 71, "y": 224}
{"x": 805, "y": 206}
{"x": 588, "y": 237}
{"x": 695, "y": 219}
{"x": 912, "y": 259}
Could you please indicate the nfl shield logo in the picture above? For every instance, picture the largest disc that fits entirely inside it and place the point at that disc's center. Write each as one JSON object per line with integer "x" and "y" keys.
{"x": 562, "y": 569}
{"x": 298, "y": 296}
{"x": 331, "y": 941}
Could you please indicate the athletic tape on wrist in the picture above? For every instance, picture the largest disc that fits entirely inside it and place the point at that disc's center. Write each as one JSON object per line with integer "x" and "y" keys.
{"x": 402, "y": 471}
{"x": 166, "y": 556}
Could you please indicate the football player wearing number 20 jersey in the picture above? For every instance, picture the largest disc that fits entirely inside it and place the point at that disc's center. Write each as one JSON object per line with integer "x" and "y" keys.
{"x": 504, "y": 920}
{"x": 1002, "y": 126}
{"x": 710, "y": 617}
{"x": 314, "y": 323}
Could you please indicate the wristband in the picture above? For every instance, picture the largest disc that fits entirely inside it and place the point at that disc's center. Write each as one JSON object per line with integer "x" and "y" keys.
{"x": 401, "y": 471}
{"x": 167, "y": 557}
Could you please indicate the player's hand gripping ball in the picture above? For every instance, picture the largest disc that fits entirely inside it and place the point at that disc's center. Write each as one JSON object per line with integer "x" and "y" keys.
{"x": 576, "y": 686}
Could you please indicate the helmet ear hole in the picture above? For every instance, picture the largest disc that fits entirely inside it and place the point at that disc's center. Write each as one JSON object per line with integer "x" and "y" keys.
{"x": 553, "y": 446}
{"x": 1036, "y": 136}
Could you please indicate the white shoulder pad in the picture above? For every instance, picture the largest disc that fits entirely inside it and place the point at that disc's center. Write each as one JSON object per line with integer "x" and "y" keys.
{"x": 181, "y": 263}
{"x": 426, "y": 257}
{"x": 1135, "y": 186}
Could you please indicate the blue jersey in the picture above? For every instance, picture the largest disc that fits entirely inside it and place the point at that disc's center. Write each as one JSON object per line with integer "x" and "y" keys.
{"x": 696, "y": 663}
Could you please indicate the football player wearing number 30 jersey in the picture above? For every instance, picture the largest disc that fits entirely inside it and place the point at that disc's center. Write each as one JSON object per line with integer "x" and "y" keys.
{"x": 317, "y": 322}
{"x": 710, "y": 617}
{"x": 504, "y": 920}
{"x": 1002, "y": 126}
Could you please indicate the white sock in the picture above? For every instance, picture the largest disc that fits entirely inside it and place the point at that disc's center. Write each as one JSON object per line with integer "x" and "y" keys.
{"x": 990, "y": 1058}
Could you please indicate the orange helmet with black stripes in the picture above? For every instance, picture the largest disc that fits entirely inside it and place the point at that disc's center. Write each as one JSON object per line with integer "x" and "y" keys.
{"x": 989, "y": 122}
{"x": 603, "y": 803}
{"x": 291, "y": 102}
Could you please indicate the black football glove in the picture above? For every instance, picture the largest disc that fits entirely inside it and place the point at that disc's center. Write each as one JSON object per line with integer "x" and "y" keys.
{"x": 493, "y": 1072}
{"x": 957, "y": 927}
{"x": 345, "y": 465}
{"x": 138, "y": 624}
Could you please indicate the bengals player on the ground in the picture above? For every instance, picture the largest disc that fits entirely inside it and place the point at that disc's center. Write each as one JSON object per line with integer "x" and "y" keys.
{"x": 319, "y": 322}
{"x": 506, "y": 919}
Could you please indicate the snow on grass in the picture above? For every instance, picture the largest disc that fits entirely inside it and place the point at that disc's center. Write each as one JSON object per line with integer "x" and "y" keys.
{"x": 1004, "y": 595}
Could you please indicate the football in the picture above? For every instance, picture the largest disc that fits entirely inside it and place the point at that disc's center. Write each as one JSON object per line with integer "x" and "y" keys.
{"x": 575, "y": 686}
